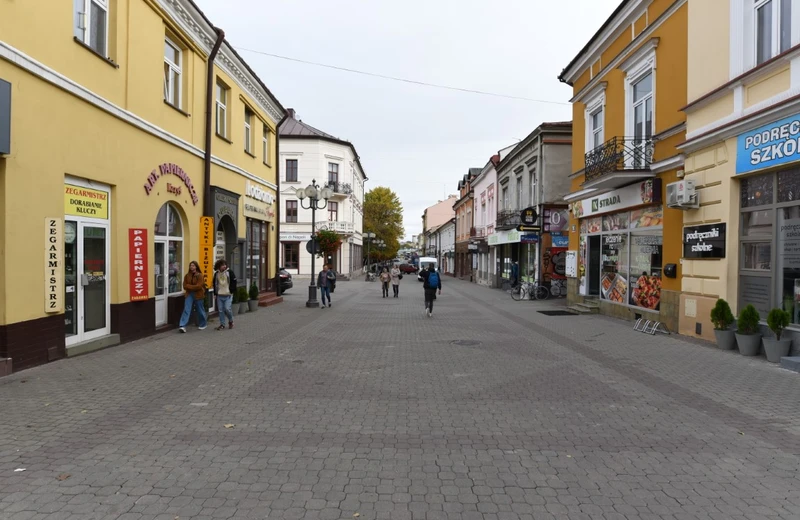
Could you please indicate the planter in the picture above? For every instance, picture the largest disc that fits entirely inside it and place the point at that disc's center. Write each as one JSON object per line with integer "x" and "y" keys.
{"x": 252, "y": 305}
{"x": 242, "y": 307}
{"x": 776, "y": 349}
{"x": 726, "y": 339}
{"x": 235, "y": 308}
{"x": 749, "y": 344}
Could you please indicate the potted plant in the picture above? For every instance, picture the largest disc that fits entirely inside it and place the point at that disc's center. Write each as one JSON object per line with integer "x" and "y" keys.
{"x": 235, "y": 302}
{"x": 253, "y": 303}
{"x": 747, "y": 336}
{"x": 241, "y": 292}
{"x": 777, "y": 320}
{"x": 722, "y": 318}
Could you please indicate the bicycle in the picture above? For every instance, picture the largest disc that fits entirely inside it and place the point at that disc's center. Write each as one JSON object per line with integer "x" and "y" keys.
{"x": 529, "y": 291}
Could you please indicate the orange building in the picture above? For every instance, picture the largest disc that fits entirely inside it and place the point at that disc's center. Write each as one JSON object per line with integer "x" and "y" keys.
{"x": 629, "y": 85}
{"x": 464, "y": 225}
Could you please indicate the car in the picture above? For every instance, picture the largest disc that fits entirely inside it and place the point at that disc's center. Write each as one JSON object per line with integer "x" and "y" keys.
{"x": 408, "y": 268}
{"x": 285, "y": 280}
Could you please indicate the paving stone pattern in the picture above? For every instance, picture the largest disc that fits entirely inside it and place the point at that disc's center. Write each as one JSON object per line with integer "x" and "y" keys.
{"x": 488, "y": 410}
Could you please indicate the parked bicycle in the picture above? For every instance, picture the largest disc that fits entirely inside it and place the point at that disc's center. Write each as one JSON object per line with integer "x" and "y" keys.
{"x": 529, "y": 291}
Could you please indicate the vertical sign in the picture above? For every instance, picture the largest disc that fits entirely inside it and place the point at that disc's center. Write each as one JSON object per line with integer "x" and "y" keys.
{"x": 53, "y": 265}
{"x": 137, "y": 250}
{"x": 207, "y": 249}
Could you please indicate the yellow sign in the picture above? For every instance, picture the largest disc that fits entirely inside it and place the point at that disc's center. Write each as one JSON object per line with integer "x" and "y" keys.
{"x": 207, "y": 249}
{"x": 85, "y": 202}
{"x": 53, "y": 265}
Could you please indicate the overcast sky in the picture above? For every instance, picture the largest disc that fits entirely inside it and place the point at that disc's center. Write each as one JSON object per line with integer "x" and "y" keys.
{"x": 419, "y": 141}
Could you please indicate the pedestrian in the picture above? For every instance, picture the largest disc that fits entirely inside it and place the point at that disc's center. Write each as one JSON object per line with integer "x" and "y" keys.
{"x": 514, "y": 273}
{"x": 325, "y": 279}
{"x": 385, "y": 279}
{"x": 431, "y": 281}
{"x": 194, "y": 286}
{"x": 396, "y": 275}
{"x": 224, "y": 289}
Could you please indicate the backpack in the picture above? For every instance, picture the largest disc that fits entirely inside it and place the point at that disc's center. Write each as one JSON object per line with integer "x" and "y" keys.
{"x": 433, "y": 280}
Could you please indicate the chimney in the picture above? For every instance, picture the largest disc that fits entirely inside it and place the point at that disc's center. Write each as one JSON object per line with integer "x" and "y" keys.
{"x": 292, "y": 114}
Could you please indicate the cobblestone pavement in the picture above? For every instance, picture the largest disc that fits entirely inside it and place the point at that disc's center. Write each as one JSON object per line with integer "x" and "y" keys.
{"x": 489, "y": 410}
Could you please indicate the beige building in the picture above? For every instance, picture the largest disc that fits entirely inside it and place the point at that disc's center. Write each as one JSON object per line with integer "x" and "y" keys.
{"x": 436, "y": 215}
{"x": 742, "y": 153}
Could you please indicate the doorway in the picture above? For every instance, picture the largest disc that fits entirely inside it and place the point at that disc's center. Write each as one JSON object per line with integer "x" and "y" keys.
{"x": 167, "y": 260}
{"x": 86, "y": 275}
{"x": 593, "y": 270}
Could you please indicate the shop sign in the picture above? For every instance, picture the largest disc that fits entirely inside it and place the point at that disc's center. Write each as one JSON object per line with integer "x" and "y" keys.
{"x": 704, "y": 241}
{"x": 639, "y": 194}
{"x": 137, "y": 251}
{"x": 511, "y": 236}
{"x": 530, "y": 238}
{"x": 85, "y": 202}
{"x": 255, "y": 191}
{"x": 560, "y": 241}
{"x": 53, "y": 265}
{"x": 258, "y": 211}
{"x": 226, "y": 205}
{"x": 770, "y": 145}
{"x": 207, "y": 249}
{"x": 555, "y": 220}
{"x": 295, "y": 237}
{"x": 528, "y": 217}
{"x": 171, "y": 169}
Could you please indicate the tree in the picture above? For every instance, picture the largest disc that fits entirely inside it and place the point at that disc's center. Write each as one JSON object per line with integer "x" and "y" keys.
{"x": 383, "y": 215}
{"x": 329, "y": 242}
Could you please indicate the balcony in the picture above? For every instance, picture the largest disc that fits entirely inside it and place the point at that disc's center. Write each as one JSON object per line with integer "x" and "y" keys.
{"x": 341, "y": 190}
{"x": 508, "y": 219}
{"x": 619, "y": 161}
{"x": 477, "y": 232}
{"x": 342, "y": 228}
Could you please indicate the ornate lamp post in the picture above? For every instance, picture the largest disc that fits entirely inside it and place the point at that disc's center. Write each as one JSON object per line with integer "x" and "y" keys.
{"x": 317, "y": 199}
{"x": 368, "y": 237}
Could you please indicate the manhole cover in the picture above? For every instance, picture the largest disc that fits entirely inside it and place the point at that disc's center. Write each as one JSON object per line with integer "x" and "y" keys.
{"x": 557, "y": 313}
{"x": 297, "y": 361}
{"x": 466, "y": 342}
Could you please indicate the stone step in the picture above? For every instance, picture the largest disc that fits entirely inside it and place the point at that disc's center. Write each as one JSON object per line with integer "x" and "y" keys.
{"x": 791, "y": 363}
{"x": 269, "y": 299}
{"x": 582, "y": 309}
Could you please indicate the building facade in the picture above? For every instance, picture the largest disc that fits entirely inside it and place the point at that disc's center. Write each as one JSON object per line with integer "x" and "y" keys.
{"x": 629, "y": 85}
{"x": 123, "y": 198}
{"x": 434, "y": 216}
{"x": 309, "y": 154}
{"x": 466, "y": 259}
{"x": 485, "y": 205}
{"x": 743, "y": 155}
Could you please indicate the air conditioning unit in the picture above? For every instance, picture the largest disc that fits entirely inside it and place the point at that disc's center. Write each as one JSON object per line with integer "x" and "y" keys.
{"x": 682, "y": 195}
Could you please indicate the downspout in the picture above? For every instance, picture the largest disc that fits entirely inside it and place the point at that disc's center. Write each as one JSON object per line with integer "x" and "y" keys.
{"x": 539, "y": 204}
{"x": 278, "y": 203}
{"x": 208, "y": 209}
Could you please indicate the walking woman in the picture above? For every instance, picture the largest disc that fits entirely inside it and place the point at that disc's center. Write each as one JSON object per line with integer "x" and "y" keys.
{"x": 385, "y": 279}
{"x": 396, "y": 274}
{"x": 194, "y": 286}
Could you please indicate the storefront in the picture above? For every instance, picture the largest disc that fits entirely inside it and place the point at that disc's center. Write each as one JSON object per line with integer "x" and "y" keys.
{"x": 553, "y": 247}
{"x": 506, "y": 245}
{"x": 259, "y": 213}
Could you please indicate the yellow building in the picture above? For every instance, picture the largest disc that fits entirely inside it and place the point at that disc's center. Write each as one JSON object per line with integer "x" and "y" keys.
{"x": 104, "y": 184}
{"x": 629, "y": 84}
{"x": 743, "y": 153}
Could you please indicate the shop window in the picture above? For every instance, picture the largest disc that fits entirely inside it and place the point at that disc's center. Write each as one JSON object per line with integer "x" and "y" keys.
{"x": 333, "y": 211}
{"x": 645, "y": 274}
{"x": 788, "y": 260}
{"x": 616, "y": 222}
{"x": 291, "y": 255}
{"x": 291, "y": 170}
{"x": 223, "y": 94}
{"x": 169, "y": 226}
{"x": 265, "y": 144}
{"x": 248, "y": 130}
{"x": 773, "y": 28}
{"x": 291, "y": 211}
{"x": 756, "y": 256}
{"x": 789, "y": 185}
{"x": 91, "y": 24}
{"x": 173, "y": 63}
{"x": 757, "y": 191}
{"x": 614, "y": 281}
{"x": 255, "y": 261}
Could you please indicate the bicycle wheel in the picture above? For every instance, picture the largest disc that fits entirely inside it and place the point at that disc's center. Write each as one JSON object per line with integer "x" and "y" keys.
{"x": 517, "y": 293}
{"x": 541, "y": 292}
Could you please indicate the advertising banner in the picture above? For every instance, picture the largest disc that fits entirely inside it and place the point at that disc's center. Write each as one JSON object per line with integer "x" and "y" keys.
{"x": 137, "y": 251}
{"x": 207, "y": 249}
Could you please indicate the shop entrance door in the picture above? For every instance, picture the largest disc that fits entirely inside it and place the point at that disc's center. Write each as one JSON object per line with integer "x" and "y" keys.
{"x": 160, "y": 281}
{"x": 86, "y": 264}
{"x": 593, "y": 271}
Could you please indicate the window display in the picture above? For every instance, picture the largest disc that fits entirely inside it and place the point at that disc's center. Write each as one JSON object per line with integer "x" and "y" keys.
{"x": 789, "y": 261}
{"x": 646, "y": 251}
{"x": 614, "y": 281}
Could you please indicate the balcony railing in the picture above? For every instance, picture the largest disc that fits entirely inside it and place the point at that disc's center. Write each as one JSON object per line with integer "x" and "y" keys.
{"x": 340, "y": 188}
{"x": 508, "y": 219}
{"x": 477, "y": 232}
{"x": 619, "y": 154}
{"x": 343, "y": 228}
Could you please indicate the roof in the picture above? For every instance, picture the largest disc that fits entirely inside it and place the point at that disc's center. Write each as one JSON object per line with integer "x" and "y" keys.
{"x": 554, "y": 125}
{"x": 620, "y": 7}
{"x": 474, "y": 172}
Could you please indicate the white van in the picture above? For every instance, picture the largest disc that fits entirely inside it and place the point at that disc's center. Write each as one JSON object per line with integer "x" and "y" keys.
{"x": 424, "y": 262}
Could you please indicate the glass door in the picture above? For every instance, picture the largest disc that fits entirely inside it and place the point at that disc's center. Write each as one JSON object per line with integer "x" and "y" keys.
{"x": 159, "y": 281}
{"x": 86, "y": 255}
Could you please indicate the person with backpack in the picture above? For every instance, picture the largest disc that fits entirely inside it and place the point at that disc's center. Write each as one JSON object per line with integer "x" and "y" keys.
{"x": 431, "y": 282}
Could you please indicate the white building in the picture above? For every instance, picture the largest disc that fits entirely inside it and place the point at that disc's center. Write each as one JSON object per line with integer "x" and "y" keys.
{"x": 307, "y": 155}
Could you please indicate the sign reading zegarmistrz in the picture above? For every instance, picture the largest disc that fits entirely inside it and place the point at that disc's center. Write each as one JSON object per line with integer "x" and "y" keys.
{"x": 85, "y": 202}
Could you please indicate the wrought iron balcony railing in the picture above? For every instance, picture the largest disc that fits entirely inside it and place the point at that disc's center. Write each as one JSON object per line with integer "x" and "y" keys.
{"x": 619, "y": 154}
{"x": 340, "y": 188}
{"x": 508, "y": 218}
{"x": 477, "y": 232}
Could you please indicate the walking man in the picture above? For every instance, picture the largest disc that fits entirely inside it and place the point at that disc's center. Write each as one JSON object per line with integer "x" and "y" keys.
{"x": 324, "y": 281}
{"x": 431, "y": 282}
{"x": 224, "y": 288}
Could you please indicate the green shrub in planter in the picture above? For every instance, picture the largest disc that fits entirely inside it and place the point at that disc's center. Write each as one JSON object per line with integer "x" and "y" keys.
{"x": 241, "y": 292}
{"x": 235, "y": 302}
{"x": 747, "y": 335}
{"x": 722, "y": 318}
{"x": 253, "y": 303}
{"x": 777, "y": 320}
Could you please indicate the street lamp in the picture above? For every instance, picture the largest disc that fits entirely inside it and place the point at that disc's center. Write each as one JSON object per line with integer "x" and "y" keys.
{"x": 368, "y": 237}
{"x": 315, "y": 196}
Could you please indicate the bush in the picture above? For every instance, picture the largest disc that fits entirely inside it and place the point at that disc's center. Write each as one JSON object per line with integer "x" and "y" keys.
{"x": 253, "y": 291}
{"x": 748, "y": 320}
{"x": 721, "y": 315}
{"x": 235, "y": 297}
{"x": 241, "y": 292}
{"x": 777, "y": 320}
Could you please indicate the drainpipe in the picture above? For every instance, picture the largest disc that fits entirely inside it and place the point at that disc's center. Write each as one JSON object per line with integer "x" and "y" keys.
{"x": 278, "y": 204}
{"x": 208, "y": 209}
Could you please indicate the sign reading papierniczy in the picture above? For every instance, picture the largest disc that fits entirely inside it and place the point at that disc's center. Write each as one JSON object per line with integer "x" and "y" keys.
{"x": 137, "y": 251}
{"x": 704, "y": 241}
{"x": 171, "y": 169}
{"x": 85, "y": 202}
{"x": 770, "y": 145}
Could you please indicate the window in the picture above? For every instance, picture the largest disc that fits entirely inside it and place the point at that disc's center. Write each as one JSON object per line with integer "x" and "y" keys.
{"x": 173, "y": 59}
{"x": 222, "y": 109}
{"x": 256, "y": 254}
{"x": 169, "y": 225}
{"x": 91, "y": 24}
{"x": 333, "y": 211}
{"x": 248, "y": 130}
{"x": 265, "y": 144}
{"x": 504, "y": 197}
{"x": 333, "y": 174}
{"x": 519, "y": 193}
{"x": 291, "y": 255}
{"x": 291, "y": 211}
{"x": 596, "y": 128}
{"x": 643, "y": 108}
{"x": 291, "y": 170}
{"x": 773, "y": 28}
{"x": 532, "y": 181}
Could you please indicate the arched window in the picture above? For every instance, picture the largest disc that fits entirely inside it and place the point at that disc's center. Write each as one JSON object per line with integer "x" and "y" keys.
{"x": 169, "y": 248}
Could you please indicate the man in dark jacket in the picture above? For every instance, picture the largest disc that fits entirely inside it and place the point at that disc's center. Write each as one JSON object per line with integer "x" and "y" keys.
{"x": 325, "y": 280}
{"x": 431, "y": 282}
{"x": 224, "y": 289}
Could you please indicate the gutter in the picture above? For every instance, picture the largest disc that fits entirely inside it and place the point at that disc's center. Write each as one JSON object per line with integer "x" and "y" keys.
{"x": 208, "y": 209}
{"x": 278, "y": 203}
